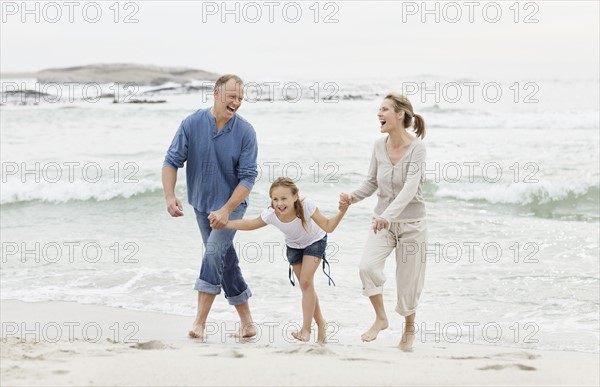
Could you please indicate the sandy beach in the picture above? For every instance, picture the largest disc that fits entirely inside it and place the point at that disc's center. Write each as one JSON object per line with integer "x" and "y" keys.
{"x": 57, "y": 343}
{"x": 97, "y": 277}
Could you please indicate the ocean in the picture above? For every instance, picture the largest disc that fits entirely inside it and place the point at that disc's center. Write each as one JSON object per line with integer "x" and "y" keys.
{"x": 512, "y": 197}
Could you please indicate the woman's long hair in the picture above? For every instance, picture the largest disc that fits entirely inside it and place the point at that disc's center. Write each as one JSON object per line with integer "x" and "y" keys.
{"x": 401, "y": 103}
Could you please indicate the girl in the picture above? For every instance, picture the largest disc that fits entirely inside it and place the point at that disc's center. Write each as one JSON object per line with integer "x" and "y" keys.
{"x": 305, "y": 230}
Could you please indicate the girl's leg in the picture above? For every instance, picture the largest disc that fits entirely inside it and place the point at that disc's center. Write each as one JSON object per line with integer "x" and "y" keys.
{"x": 321, "y": 324}
{"x": 318, "y": 316}
{"x": 309, "y": 296}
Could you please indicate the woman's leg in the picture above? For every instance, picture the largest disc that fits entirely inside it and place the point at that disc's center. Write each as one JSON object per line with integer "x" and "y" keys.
{"x": 381, "y": 321}
{"x": 309, "y": 296}
{"x": 376, "y": 250}
{"x": 410, "y": 276}
{"x": 408, "y": 336}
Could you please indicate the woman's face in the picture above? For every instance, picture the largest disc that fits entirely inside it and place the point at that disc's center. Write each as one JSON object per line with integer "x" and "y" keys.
{"x": 388, "y": 118}
{"x": 283, "y": 200}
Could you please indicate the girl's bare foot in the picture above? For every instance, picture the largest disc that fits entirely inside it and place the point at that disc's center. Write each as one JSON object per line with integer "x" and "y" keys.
{"x": 303, "y": 335}
{"x": 322, "y": 333}
{"x": 378, "y": 325}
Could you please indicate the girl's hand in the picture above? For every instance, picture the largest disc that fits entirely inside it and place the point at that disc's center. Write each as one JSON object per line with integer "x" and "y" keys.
{"x": 380, "y": 224}
{"x": 343, "y": 205}
{"x": 345, "y": 201}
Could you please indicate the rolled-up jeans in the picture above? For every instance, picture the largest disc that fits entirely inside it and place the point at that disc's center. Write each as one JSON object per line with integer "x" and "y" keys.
{"x": 220, "y": 263}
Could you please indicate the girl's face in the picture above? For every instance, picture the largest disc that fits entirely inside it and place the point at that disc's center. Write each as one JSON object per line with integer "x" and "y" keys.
{"x": 388, "y": 118}
{"x": 283, "y": 200}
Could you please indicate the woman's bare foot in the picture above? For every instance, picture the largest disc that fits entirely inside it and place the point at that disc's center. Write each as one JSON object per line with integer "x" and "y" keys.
{"x": 197, "y": 331}
{"x": 378, "y": 325}
{"x": 303, "y": 335}
{"x": 408, "y": 337}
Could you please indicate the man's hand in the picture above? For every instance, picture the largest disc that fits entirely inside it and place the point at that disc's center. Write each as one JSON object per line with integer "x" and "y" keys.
{"x": 218, "y": 219}
{"x": 174, "y": 206}
{"x": 380, "y": 224}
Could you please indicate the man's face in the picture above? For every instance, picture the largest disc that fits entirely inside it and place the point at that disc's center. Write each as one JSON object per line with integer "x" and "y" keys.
{"x": 228, "y": 98}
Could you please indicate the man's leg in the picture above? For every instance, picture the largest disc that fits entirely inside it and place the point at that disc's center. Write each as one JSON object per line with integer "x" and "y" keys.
{"x": 205, "y": 301}
{"x": 211, "y": 272}
{"x": 236, "y": 290}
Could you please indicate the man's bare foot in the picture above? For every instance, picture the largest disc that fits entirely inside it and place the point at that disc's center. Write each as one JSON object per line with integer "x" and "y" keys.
{"x": 322, "y": 333}
{"x": 378, "y": 325}
{"x": 408, "y": 337}
{"x": 246, "y": 331}
{"x": 197, "y": 331}
{"x": 303, "y": 335}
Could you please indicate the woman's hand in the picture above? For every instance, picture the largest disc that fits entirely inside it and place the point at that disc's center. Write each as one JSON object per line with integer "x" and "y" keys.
{"x": 380, "y": 224}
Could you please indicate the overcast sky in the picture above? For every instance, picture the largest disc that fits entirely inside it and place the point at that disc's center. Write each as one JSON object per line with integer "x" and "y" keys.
{"x": 363, "y": 38}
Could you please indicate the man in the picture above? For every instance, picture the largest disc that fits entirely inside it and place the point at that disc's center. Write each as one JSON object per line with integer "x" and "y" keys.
{"x": 220, "y": 149}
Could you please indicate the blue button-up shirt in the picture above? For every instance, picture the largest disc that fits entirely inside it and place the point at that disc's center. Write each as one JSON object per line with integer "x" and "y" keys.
{"x": 217, "y": 161}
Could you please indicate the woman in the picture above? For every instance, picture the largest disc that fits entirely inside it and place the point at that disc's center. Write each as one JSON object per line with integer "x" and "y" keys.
{"x": 396, "y": 170}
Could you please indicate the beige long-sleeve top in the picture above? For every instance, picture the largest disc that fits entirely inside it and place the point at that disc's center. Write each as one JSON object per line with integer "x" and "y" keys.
{"x": 400, "y": 195}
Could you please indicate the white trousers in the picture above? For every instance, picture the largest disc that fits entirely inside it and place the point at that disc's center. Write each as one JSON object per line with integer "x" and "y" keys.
{"x": 409, "y": 240}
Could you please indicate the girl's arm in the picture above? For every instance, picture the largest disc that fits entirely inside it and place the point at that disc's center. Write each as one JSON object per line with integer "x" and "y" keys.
{"x": 246, "y": 224}
{"x": 328, "y": 225}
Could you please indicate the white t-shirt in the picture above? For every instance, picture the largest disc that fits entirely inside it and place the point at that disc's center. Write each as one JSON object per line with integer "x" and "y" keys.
{"x": 295, "y": 235}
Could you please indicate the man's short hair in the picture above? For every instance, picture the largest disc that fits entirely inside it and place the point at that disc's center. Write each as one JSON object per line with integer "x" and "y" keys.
{"x": 224, "y": 78}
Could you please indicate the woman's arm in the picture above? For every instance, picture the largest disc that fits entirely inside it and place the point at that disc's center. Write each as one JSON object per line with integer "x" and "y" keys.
{"x": 246, "y": 224}
{"x": 328, "y": 225}
{"x": 369, "y": 185}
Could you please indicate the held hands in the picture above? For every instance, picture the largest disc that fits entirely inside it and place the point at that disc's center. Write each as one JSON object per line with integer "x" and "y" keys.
{"x": 345, "y": 201}
{"x": 174, "y": 207}
{"x": 218, "y": 219}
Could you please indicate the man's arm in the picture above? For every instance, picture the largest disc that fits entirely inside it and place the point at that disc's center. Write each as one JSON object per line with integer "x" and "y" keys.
{"x": 169, "y": 178}
{"x": 175, "y": 158}
{"x": 218, "y": 219}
